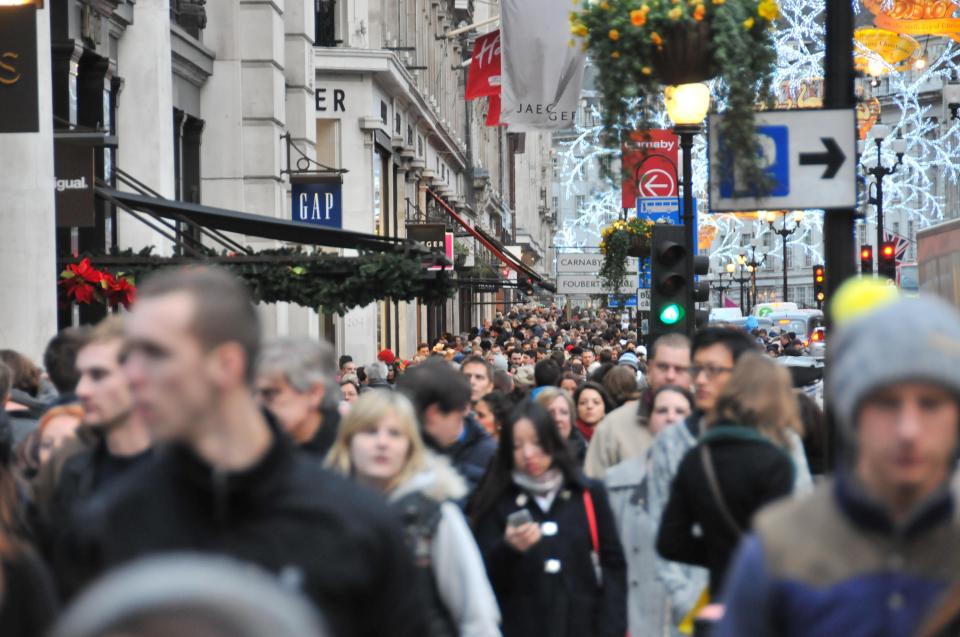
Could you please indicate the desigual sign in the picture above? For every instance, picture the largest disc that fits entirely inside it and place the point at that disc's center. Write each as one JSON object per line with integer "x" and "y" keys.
{"x": 73, "y": 182}
{"x": 18, "y": 69}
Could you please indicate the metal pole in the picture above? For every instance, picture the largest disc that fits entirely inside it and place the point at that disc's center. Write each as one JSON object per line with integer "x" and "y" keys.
{"x": 686, "y": 133}
{"x": 785, "y": 235}
{"x": 838, "y": 238}
{"x": 743, "y": 280}
{"x": 753, "y": 285}
{"x": 880, "y": 175}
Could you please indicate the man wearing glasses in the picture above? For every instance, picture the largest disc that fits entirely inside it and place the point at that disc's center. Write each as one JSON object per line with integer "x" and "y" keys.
{"x": 715, "y": 350}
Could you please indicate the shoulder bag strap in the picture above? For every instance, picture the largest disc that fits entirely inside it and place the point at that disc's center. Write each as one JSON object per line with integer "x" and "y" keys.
{"x": 706, "y": 459}
{"x": 591, "y": 519}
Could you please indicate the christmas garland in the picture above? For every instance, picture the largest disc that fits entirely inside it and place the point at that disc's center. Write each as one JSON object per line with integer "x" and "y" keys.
{"x": 316, "y": 280}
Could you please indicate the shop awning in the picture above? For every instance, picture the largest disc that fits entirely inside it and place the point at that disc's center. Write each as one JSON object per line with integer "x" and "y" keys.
{"x": 493, "y": 245}
{"x": 244, "y": 223}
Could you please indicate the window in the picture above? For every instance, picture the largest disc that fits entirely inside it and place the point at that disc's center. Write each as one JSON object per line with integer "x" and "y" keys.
{"x": 419, "y": 145}
{"x": 325, "y": 33}
{"x": 398, "y": 125}
{"x": 581, "y": 202}
{"x": 912, "y": 237}
{"x": 555, "y": 204}
{"x": 409, "y": 135}
{"x": 807, "y": 258}
{"x": 862, "y": 233}
{"x": 383, "y": 112}
{"x": 190, "y": 15}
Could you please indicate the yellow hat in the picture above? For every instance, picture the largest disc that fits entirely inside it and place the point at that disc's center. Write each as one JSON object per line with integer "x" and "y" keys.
{"x": 860, "y": 296}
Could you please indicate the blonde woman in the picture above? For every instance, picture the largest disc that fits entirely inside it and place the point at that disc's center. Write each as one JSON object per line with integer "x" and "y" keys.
{"x": 379, "y": 445}
{"x": 741, "y": 464}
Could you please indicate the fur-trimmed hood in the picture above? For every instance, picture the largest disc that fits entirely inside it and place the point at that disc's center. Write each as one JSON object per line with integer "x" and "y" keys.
{"x": 438, "y": 481}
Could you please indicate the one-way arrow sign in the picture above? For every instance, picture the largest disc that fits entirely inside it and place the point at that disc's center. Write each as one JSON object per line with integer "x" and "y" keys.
{"x": 807, "y": 153}
{"x": 832, "y": 159}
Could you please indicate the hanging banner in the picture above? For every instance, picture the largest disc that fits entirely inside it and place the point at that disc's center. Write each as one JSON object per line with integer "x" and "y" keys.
{"x": 542, "y": 75}
{"x": 73, "y": 179}
{"x": 19, "y": 111}
{"x": 483, "y": 77}
{"x": 493, "y": 111}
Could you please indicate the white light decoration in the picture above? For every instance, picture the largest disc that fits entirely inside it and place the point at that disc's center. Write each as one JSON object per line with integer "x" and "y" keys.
{"x": 931, "y": 147}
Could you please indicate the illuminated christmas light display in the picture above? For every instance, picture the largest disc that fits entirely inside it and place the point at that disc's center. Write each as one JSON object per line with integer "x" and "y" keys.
{"x": 930, "y": 162}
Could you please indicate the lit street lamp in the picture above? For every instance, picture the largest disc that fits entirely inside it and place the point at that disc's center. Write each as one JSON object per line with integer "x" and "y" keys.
{"x": 876, "y": 168}
{"x": 784, "y": 233}
{"x": 687, "y": 106}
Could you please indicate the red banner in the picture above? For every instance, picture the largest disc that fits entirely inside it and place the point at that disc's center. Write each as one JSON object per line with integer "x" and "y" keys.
{"x": 649, "y": 166}
{"x": 483, "y": 78}
{"x": 493, "y": 111}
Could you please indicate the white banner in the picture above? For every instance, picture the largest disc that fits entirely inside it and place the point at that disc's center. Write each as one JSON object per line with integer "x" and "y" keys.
{"x": 585, "y": 284}
{"x": 541, "y": 75}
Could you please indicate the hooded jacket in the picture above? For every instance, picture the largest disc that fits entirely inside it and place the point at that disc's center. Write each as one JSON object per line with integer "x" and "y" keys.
{"x": 437, "y": 533}
{"x": 332, "y": 538}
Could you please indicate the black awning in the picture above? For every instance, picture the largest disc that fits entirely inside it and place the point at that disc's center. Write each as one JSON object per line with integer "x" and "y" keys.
{"x": 257, "y": 225}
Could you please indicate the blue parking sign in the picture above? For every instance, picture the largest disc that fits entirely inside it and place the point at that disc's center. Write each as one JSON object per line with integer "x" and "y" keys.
{"x": 775, "y": 149}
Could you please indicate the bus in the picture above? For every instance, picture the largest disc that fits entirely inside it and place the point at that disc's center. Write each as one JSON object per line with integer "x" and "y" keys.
{"x": 938, "y": 248}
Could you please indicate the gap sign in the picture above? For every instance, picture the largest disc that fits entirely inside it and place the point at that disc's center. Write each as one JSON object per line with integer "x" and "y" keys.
{"x": 318, "y": 203}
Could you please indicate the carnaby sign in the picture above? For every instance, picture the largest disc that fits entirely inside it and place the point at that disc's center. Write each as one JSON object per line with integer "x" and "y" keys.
{"x": 73, "y": 183}
{"x": 649, "y": 166}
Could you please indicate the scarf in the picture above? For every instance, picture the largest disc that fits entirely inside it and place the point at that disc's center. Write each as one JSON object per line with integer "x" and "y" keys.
{"x": 585, "y": 429}
{"x": 542, "y": 485}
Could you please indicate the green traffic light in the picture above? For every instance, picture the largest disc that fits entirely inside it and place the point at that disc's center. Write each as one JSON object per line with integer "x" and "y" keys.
{"x": 671, "y": 314}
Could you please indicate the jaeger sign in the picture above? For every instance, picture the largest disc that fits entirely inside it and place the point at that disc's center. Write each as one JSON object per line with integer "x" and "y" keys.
{"x": 18, "y": 69}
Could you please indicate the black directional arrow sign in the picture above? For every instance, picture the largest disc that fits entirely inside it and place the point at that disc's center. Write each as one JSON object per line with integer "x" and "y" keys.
{"x": 833, "y": 158}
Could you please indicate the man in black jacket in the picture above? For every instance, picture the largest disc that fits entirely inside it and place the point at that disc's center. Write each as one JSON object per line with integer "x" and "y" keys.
{"x": 228, "y": 480}
{"x": 442, "y": 399}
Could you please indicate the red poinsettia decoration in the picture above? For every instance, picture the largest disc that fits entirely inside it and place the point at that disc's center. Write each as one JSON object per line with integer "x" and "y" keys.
{"x": 83, "y": 283}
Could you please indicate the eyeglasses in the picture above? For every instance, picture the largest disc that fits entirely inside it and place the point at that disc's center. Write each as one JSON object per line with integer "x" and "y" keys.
{"x": 709, "y": 370}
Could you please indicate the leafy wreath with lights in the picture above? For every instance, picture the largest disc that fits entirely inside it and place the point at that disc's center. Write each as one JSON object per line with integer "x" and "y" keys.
{"x": 641, "y": 46}
{"x": 315, "y": 280}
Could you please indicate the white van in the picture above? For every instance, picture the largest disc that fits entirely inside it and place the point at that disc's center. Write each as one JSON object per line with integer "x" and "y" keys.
{"x": 765, "y": 309}
{"x": 721, "y": 314}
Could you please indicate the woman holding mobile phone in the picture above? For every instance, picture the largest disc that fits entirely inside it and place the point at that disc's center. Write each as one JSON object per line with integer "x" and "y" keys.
{"x": 378, "y": 444}
{"x": 548, "y": 537}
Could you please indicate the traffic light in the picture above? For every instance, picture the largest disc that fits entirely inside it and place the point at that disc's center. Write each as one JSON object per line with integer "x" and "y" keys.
{"x": 887, "y": 260}
{"x": 669, "y": 281}
{"x": 819, "y": 285}
{"x": 866, "y": 260}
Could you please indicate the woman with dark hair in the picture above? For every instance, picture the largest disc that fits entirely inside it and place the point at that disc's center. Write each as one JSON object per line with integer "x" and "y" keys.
{"x": 593, "y": 403}
{"x": 548, "y": 537}
{"x": 492, "y": 411}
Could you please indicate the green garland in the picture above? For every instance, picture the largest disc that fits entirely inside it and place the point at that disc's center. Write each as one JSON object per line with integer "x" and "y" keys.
{"x": 315, "y": 280}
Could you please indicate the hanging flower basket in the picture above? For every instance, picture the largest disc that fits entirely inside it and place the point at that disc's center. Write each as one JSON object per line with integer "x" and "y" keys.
{"x": 686, "y": 56}
{"x": 620, "y": 240}
{"x": 641, "y": 46}
{"x": 639, "y": 246}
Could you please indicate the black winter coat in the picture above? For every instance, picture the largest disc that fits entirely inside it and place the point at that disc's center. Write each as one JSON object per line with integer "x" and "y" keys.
{"x": 751, "y": 471}
{"x": 28, "y": 603}
{"x": 567, "y": 603}
{"x": 286, "y": 514}
{"x": 471, "y": 455}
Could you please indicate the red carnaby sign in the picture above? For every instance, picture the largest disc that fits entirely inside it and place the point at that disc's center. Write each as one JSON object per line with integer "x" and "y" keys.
{"x": 483, "y": 78}
{"x": 650, "y": 160}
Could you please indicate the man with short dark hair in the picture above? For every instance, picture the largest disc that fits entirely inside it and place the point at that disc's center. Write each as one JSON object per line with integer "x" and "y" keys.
{"x": 229, "y": 480}
{"x": 60, "y": 362}
{"x": 480, "y": 375}
{"x": 442, "y": 400}
{"x": 873, "y": 551}
{"x": 546, "y": 373}
{"x": 346, "y": 366}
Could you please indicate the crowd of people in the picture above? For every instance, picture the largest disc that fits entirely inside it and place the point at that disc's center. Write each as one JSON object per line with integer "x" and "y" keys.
{"x": 171, "y": 472}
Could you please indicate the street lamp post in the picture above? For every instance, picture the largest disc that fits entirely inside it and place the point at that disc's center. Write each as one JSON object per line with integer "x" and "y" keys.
{"x": 687, "y": 106}
{"x": 721, "y": 288}
{"x": 876, "y": 168}
{"x": 784, "y": 233}
{"x": 746, "y": 272}
{"x": 753, "y": 266}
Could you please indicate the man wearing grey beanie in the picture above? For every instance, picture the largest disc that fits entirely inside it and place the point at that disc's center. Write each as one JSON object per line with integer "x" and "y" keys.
{"x": 872, "y": 551}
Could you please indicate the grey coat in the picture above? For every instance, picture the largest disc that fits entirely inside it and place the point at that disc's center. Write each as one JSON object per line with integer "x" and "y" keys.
{"x": 648, "y": 603}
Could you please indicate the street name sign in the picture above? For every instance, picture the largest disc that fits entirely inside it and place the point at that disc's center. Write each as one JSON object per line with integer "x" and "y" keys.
{"x": 586, "y": 263}
{"x": 810, "y": 154}
{"x": 586, "y": 284}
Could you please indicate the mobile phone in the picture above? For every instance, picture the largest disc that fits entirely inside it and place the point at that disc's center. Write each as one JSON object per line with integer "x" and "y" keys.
{"x": 519, "y": 518}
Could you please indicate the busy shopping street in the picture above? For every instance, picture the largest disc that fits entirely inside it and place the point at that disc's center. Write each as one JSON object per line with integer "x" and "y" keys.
{"x": 479, "y": 318}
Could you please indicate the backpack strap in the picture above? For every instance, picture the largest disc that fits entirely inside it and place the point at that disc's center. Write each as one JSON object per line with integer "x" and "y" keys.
{"x": 707, "y": 459}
